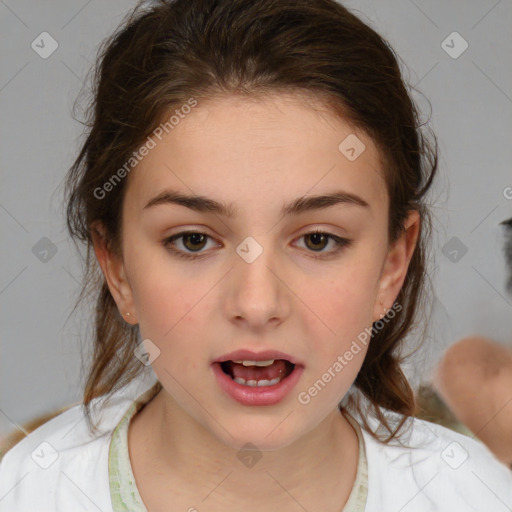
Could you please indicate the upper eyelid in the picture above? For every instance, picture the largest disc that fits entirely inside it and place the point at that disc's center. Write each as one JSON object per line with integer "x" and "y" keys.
{"x": 203, "y": 232}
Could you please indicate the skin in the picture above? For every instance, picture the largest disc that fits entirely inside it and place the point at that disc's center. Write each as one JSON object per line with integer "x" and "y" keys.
{"x": 258, "y": 155}
{"x": 482, "y": 402}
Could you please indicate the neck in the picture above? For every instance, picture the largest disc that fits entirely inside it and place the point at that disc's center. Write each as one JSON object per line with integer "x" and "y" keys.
{"x": 192, "y": 457}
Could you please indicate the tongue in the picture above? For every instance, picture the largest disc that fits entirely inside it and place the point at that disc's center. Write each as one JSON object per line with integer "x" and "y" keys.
{"x": 276, "y": 369}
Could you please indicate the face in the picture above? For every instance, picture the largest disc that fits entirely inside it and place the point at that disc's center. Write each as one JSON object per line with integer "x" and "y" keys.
{"x": 266, "y": 278}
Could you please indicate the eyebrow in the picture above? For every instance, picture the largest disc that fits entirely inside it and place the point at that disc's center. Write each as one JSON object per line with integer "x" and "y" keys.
{"x": 296, "y": 207}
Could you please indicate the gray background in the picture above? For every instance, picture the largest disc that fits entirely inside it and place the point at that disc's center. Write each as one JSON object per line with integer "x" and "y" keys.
{"x": 471, "y": 98}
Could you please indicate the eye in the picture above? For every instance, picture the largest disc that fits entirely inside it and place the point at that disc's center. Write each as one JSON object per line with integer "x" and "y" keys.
{"x": 193, "y": 241}
{"x": 318, "y": 240}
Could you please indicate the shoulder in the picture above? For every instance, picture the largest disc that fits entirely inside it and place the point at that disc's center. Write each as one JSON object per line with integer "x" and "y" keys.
{"x": 430, "y": 467}
{"x": 62, "y": 464}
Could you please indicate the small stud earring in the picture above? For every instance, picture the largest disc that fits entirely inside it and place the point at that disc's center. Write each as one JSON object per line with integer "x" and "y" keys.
{"x": 127, "y": 314}
{"x": 382, "y": 314}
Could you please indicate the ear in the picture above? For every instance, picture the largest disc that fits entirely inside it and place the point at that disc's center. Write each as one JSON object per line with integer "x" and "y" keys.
{"x": 113, "y": 270}
{"x": 395, "y": 267}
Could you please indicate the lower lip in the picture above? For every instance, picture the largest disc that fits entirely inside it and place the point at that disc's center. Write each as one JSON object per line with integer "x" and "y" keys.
{"x": 263, "y": 395}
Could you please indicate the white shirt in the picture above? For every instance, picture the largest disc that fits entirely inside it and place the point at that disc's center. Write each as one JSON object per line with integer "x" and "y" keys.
{"x": 61, "y": 466}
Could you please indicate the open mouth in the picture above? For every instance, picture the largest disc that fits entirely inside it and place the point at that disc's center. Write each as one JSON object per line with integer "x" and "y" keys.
{"x": 258, "y": 373}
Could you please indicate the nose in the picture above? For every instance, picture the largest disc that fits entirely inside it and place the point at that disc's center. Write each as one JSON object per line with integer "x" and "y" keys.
{"x": 257, "y": 293}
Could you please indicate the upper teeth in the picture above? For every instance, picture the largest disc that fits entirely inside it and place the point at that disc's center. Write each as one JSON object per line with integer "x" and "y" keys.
{"x": 255, "y": 363}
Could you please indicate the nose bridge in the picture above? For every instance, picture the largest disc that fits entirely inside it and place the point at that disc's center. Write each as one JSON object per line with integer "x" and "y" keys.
{"x": 257, "y": 292}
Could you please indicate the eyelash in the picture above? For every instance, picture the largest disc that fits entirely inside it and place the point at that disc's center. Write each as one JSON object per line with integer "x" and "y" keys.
{"x": 341, "y": 243}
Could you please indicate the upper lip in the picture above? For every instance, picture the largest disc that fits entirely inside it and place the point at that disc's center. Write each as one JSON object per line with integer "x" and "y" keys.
{"x": 247, "y": 355}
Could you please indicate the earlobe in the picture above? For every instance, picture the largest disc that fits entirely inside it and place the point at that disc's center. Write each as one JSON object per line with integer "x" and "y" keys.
{"x": 396, "y": 264}
{"x": 113, "y": 270}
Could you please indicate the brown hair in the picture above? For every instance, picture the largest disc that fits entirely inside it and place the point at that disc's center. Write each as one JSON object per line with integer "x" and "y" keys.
{"x": 167, "y": 52}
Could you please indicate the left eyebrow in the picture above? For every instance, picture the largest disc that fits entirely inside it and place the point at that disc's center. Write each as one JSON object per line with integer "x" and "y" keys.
{"x": 296, "y": 207}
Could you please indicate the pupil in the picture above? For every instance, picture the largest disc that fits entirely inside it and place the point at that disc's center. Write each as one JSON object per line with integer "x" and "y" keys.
{"x": 317, "y": 238}
{"x": 194, "y": 237}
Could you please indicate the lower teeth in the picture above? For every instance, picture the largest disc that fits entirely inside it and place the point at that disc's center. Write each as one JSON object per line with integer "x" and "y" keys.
{"x": 257, "y": 383}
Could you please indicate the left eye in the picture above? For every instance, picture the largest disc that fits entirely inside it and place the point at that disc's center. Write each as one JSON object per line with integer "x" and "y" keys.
{"x": 194, "y": 241}
{"x": 318, "y": 238}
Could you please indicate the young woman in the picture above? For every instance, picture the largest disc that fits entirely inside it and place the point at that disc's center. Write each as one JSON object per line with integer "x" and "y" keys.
{"x": 253, "y": 190}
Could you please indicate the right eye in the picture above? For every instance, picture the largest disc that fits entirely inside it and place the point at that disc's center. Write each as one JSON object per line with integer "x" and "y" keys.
{"x": 192, "y": 241}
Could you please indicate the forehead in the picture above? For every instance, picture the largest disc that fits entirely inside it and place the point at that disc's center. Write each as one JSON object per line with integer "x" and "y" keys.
{"x": 259, "y": 152}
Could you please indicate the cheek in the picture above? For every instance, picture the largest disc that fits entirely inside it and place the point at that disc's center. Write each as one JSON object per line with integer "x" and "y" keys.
{"x": 344, "y": 303}
{"x": 166, "y": 308}
{"x": 173, "y": 313}
{"x": 161, "y": 295}
{"x": 167, "y": 317}
{"x": 338, "y": 342}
